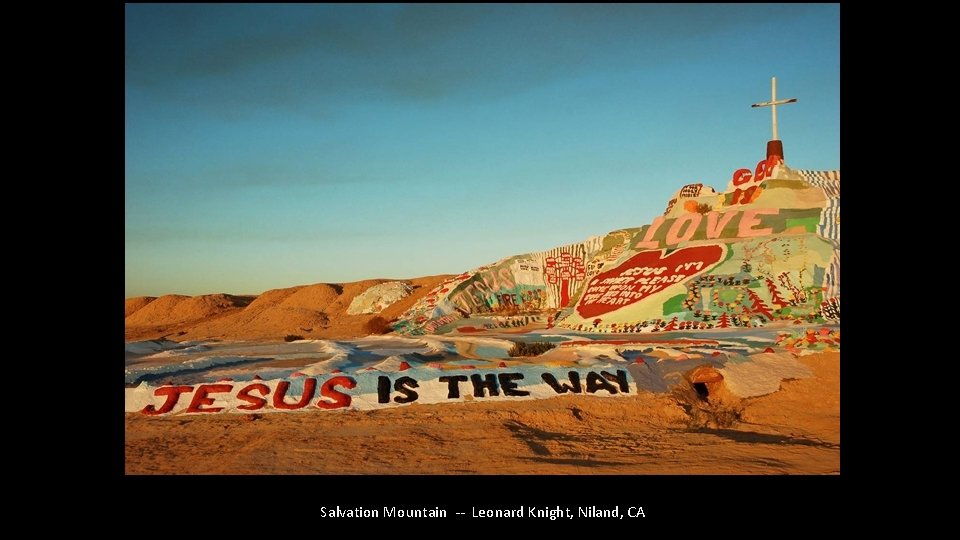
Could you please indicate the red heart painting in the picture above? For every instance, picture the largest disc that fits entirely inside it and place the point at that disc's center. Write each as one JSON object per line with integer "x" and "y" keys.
{"x": 645, "y": 274}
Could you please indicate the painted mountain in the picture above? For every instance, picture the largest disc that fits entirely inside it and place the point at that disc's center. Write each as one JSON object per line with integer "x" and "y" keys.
{"x": 765, "y": 249}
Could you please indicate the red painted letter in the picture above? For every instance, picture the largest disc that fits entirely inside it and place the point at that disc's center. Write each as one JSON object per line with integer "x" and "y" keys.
{"x": 309, "y": 385}
{"x": 200, "y": 397}
{"x": 255, "y": 402}
{"x": 340, "y": 400}
{"x": 761, "y": 170}
{"x": 744, "y": 196}
{"x": 173, "y": 395}
{"x": 772, "y": 162}
{"x": 741, "y": 176}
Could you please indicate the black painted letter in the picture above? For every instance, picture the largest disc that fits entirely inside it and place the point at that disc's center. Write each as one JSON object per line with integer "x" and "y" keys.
{"x": 620, "y": 378}
{"x": 595, "y": 382}
{"x": 510, "y": 387}
{"x": 559, "y": 388}
{"x": 404, "y": 385}
{"x": 383, "y": 389}
{"x": 479, "y": 383}
{"x": 453, "y": 384}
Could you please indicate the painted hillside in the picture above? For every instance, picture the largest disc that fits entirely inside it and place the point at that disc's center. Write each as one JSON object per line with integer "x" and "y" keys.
{"x": 765, "y": 249}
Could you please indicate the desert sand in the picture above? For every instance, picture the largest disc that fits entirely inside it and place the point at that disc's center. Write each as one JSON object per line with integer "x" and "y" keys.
{"x": 794, "y": 430}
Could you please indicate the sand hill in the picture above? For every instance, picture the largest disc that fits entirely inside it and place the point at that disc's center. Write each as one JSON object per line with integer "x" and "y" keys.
{"x": 179, "y": 309}
{"x": 133, "y": 304}
{"x": 312, "y": 311}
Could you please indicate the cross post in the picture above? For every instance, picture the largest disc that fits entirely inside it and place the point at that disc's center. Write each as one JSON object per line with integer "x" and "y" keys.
{"x": 773, "y": 107}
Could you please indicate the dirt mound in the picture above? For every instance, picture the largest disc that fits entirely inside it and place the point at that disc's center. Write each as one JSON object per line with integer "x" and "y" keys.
{"x": 160, "y": 311}
{"x": 178, "y": 309}
{"x": 130, "y": 305}
{"x": 316, "y": 297}
{"x": 272, "y": 297}
{"x": 275, "y": 314}
{"x": 313, "y": 311}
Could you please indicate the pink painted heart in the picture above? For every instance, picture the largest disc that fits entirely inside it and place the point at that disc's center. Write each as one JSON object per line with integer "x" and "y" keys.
{"x": 643, "y": 275}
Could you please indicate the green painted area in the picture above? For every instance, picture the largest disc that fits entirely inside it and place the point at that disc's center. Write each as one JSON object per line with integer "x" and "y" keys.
{"x": 728, "y": 295}
{"x": 674, "y": 304}
{"x": 784, "y": 183}
{"x": 788, "y": 214}
{"x": 614, "y": 239}
{"x": 729, "y": 254}
{"x": 808, "y": 223}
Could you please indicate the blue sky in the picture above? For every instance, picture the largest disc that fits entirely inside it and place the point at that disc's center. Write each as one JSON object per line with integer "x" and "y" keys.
{"x": 269, "y": 146}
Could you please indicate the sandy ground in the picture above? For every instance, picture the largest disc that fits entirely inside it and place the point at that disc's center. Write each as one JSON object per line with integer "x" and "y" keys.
{"x": 795, "y": 430}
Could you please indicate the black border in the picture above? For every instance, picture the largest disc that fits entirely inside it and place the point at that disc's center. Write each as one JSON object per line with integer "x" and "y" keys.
{"x": 687, "y": 502}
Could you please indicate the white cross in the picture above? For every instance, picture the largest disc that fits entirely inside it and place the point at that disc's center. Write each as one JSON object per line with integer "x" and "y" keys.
{"x": 773, "y": 104}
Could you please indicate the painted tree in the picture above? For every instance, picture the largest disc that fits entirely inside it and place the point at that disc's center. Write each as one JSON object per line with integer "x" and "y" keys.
{"x": 672, "y": 325}
{"x": 724, "y": 321}
{"x": 775, "y": 296}
{"x": 758, "y": 305}
{"x": 560, "y": 271}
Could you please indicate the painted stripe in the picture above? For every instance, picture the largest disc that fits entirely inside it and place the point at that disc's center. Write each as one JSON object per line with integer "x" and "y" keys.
{"x": 832, "y": 278}
{"x": 829, "y": 183}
